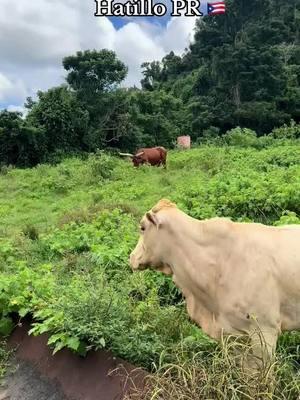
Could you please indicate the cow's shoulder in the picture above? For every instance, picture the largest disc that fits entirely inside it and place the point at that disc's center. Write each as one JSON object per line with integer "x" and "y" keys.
{"x": 218, "y": 226}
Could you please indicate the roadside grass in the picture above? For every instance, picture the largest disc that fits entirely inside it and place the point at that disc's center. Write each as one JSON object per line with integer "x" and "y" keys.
{"x": 67, "y": 230}
{"x": 5, "y": 355}
{"x": 218, "y": 376}
{"x": 221, "y": 372}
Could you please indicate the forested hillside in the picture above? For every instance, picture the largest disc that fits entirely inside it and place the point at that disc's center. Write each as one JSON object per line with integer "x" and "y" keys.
{"x": 242, "y": 69}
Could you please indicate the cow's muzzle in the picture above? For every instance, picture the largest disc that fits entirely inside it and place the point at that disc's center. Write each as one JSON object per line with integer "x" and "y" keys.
{"x": 133, "y": 262}
{"x": 136, "y": 263}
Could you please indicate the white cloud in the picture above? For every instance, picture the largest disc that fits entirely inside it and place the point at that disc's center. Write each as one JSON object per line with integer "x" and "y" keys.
{"x": 20, "y": 109}
{"x": 11, "y": 90}
{"x": 134, "y": 46}
{"x": 12, "y": 107}
{"x": 136, "y": 43}
{"x": 178, "y": 33}
{"x": 5, "y": 85}
{"x": 36, "y": 34}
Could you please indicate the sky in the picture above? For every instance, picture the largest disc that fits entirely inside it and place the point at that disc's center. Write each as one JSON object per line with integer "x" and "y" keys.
{"x": 35, "y": 35}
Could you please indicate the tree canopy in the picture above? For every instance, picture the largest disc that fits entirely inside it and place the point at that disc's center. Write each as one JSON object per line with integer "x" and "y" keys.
{"x": 242, "y": 69}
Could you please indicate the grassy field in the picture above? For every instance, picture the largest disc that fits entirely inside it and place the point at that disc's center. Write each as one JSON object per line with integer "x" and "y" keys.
{"x": 67, "y": 230}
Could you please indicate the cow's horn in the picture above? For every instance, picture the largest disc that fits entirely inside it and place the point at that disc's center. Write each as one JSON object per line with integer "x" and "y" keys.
{"x": 126, "y": 154}
{"x": 140, "y": 154}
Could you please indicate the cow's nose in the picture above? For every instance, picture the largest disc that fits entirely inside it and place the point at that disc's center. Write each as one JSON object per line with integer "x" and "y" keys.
{"x": 133, "y": 262}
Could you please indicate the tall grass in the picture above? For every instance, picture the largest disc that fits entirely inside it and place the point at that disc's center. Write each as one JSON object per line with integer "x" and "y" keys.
{"x": 65, "y": 235}
{"x": 4, "y": 359}
{"x": 219, "y": 375}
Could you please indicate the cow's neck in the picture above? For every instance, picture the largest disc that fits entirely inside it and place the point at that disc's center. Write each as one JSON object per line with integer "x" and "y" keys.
{"x": 193, "y": 258}
{"x": 192, "y": 254}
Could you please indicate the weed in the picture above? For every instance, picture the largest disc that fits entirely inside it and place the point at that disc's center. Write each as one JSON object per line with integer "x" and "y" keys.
{"x": 217, "y": 376}
{"x": 4, "y": 358}
{"x": 31, "y": 232}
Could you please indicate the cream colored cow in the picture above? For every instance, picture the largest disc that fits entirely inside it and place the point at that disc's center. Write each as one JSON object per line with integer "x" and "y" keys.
{"x": 228, "y": 272}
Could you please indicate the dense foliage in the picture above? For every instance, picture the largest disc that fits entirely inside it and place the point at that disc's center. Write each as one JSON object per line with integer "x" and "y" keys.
{"x": 67, "y": 231}
{"x": 242, "y": 69}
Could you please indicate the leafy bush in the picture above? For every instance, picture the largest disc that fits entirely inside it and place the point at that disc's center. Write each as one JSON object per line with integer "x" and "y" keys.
{"x": 291, "y": 131}
{"x": 83, "y": 298}
{"x": 241, "y": 137}
{"x": 288, "y": 218}
{"x": 31, "y": 232}
{"x": 102, "y": 165}
{"x": 209, "y": 134}
{"x": 4, "y": 169}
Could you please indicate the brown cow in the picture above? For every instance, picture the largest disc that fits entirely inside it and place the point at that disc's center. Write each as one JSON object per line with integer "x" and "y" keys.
{"x": 153, "y": 156}
{"x": 234, "y": 276}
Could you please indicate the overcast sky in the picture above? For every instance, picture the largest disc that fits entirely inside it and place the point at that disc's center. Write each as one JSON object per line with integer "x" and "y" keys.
{"x": 36, "y": 34}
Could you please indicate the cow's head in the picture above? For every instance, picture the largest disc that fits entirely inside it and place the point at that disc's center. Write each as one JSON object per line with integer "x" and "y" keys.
{"x": 138, "y": 158}
{"x": 151, "y": 249}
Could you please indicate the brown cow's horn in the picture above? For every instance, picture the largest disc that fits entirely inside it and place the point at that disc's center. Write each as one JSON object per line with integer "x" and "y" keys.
{"x": 140, "y": 154}
{"x": 126, "y": 154}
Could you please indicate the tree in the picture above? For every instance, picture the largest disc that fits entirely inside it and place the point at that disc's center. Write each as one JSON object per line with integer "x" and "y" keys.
{"x": 156, "y": 116}
{"x": 20, "y": 143}
{"x": 243, "y": 68}
{"x": 94, "y": 77}
{"x": 113, "y": 126}
{"x": 156, "y": 72}
{"x": 152, "y": 74}
{"x": 94, "y": 72}
{"x": 63, "y": 119}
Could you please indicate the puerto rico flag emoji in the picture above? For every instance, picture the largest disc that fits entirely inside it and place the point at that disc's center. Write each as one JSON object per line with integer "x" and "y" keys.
{"x": 216, "y": 8}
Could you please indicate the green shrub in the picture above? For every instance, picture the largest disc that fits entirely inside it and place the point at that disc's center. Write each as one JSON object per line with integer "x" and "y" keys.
{"x": 210, "y": 134}
{"x": 31, "y": 232}
{"x": 291, "y": 131}
{"x": 288, "y": 218}
{"x": 4, "y": 169}
{"x": 102, "y": 165}
{"x": 240, "y": 137}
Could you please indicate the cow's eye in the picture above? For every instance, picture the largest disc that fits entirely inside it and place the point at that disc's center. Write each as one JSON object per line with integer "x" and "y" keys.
{"x": 142, "y": 228}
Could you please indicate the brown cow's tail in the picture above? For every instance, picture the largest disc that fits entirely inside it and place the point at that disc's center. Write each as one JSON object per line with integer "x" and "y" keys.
{"x": 162, "y": 151}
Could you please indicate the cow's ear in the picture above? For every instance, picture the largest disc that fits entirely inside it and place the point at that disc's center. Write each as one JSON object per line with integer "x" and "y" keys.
{"x": 152, "y": 218}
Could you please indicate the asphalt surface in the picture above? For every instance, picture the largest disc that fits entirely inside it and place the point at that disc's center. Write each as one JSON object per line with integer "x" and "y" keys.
{"x": 23, "y": 382}
{"x": 37, "y": 374}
